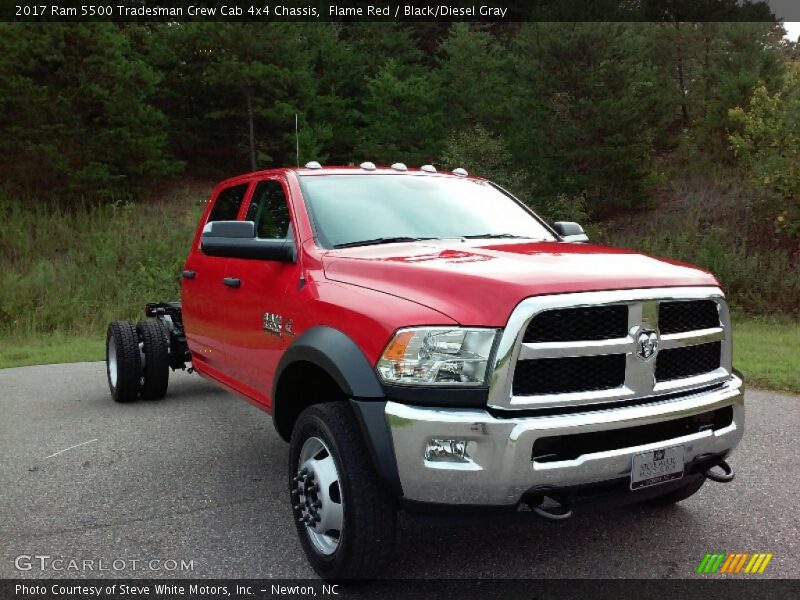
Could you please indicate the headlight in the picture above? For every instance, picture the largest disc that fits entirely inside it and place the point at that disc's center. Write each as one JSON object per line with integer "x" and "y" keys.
{"x": 437, "y": 356}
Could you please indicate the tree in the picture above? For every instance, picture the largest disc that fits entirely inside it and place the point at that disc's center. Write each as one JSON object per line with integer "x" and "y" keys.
{"x": 403, "y": 115}
{"x": 233, "y": 91}
{"x": 479, "y": 151}
{"x": 767, "y": 143}
{"x": 588, "y": 111}
{"x": 473, "y": 78}
{"x": 75, "y": 106}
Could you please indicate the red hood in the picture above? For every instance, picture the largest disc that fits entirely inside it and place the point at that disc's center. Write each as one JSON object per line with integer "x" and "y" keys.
{"x": 480, "y": 284}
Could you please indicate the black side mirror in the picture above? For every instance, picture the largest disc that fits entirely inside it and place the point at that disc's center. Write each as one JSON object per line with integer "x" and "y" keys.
{"x": 237, "y": 239}
{"x": 570, "y": 231}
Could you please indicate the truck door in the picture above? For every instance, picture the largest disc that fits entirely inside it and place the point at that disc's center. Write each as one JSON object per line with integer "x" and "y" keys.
{"x": 260, "y": 322}
{"x": 206, "y": 298}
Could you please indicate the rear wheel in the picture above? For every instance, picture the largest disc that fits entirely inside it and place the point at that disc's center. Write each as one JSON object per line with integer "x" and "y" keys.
{"x": 345, "y": 517}
{"x": 123, "y": 362}
{"x": 155, "y": 342}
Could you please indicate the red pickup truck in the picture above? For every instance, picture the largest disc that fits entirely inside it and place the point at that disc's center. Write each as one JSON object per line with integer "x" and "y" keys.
{"x": 426, "y": 342}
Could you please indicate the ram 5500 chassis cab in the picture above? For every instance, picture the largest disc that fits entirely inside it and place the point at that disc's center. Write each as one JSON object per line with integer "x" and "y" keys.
{"x": 424, "y": 341}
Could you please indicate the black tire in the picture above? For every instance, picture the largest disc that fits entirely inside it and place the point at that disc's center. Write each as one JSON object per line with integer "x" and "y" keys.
{"x": 367, "y": 535}
{"x": 678, "y": 495}
{"x": 123, "y": 363}
{"x": 156, "y": 358}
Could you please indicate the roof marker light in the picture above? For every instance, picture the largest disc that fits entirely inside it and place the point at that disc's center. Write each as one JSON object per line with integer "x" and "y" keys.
{"x": 368, "y": 166}
{"x": 313, "y": 165}
{"x": 460, "y": 171}
{"x": 428, "y": 168}
{"x": 399, "y": 167}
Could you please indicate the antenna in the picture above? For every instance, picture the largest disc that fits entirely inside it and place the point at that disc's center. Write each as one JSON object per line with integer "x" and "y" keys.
{"x": 297, "y": 140}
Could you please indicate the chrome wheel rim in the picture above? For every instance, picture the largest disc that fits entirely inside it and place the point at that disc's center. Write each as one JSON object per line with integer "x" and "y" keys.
{"x": 317, "y": 496}
{"x": 112, "y": 362}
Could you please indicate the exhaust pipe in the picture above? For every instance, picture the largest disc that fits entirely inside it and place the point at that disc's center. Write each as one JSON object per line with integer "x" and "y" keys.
{"x": 725, "y": 476}
{"x": 561, "y": 512}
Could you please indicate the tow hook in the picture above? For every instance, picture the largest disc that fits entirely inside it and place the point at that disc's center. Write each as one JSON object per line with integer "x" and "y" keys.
{"x": 561, "y": 512}
{"x": 724, "y": 477}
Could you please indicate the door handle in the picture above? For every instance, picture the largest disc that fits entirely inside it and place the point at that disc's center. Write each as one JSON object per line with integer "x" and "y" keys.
{"x": 188, "y": 274}
{"x": 233, "y": 282}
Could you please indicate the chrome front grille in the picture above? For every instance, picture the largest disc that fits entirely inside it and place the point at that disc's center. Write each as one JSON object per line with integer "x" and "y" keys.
{"x": 679, "y": 363}
{"x": 589, "y": 348}
{"x": 580, "y": 323}
{"x": 687, "y": 315}
{"x": 569, "y": 374}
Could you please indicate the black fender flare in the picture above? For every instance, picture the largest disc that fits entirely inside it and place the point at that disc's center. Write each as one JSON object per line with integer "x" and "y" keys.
{"x": 336, "y": 354}
{"x": 342, "y": 359}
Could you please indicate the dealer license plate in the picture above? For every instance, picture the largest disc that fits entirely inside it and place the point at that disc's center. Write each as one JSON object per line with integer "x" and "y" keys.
{"x": 657, "y": 466}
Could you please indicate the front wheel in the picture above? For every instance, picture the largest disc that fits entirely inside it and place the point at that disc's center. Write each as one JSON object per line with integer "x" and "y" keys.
{"x": 345, "y": 516}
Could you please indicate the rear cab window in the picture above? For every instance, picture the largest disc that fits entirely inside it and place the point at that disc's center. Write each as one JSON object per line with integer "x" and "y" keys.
{"x": 228, "y": 202}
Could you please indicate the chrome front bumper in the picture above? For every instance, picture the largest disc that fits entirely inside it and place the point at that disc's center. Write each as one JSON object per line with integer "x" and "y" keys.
{"x": 500, "y": 468}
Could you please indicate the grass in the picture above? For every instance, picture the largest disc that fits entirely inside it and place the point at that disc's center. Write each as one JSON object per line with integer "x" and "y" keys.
{"x": 73, "y": 269}
{"x": 716, "y": 225}
{"x": 762, "y": 351}
{"x": 765, "y": 351}
{"x": 50, "y": 349}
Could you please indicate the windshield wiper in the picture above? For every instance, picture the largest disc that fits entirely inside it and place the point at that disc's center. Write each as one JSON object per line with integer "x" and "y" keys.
{"x": 383, "y": 240}
{"x": 496, "y": 235}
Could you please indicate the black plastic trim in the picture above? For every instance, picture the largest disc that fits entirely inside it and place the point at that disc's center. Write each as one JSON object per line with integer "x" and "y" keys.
{"x": 256, "y": 249}
{"x": 371, "y": 416}
{"x": 454, "y": 510}
{"x": 450, "y": 397}
{"x": 594, "y": 497}
{"x": 337, "y": 355}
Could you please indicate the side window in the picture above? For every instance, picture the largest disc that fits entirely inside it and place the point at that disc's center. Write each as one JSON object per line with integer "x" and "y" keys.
{"x": 269, "y": 211}
{"x": 226, "y": 207}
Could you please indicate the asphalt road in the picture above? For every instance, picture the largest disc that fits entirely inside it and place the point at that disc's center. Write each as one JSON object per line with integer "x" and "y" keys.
{"x": 199, "y": 477}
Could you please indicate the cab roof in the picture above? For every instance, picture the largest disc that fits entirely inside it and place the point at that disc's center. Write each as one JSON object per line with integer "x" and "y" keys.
{"x": 345, "y": 170}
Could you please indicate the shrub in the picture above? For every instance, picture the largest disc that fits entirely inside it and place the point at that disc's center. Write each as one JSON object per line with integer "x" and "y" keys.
{"x": 76, "y": 269}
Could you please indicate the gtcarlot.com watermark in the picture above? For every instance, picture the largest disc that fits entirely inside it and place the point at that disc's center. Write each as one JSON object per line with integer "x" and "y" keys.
{"x": 47, "y": 563}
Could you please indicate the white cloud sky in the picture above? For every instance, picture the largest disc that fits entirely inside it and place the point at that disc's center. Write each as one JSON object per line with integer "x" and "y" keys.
{"x": 789, "y": 12}
{"x": 792, "y": 30}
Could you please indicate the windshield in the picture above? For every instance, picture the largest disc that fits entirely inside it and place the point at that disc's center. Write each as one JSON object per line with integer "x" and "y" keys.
{"x": 351, "y": 210}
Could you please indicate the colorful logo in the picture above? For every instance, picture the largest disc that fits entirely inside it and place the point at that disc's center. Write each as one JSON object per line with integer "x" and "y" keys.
{"x": 742, "y": 562}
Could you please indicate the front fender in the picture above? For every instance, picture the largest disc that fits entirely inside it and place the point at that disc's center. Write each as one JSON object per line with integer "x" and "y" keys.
{"x": 340, "y": 357}
{"x": 337, "y": 355}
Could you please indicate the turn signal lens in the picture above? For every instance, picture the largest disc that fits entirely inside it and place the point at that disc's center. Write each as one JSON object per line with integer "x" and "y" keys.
{"x": 396, "y": 349}
{"x": 437, "y": 356}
